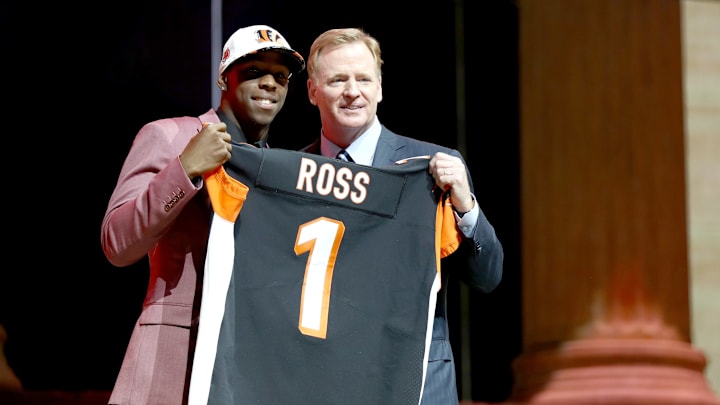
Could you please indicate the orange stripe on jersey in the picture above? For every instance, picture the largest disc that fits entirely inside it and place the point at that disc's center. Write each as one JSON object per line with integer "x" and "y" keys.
{"x": 450, "y": 239}
{"x": 226, "y": 194}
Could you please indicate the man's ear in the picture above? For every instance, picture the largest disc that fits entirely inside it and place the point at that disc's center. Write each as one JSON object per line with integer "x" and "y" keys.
{"x": 380, "y": 95}
{"x": 311, "y": 92}
{"x": 222, "y": 83}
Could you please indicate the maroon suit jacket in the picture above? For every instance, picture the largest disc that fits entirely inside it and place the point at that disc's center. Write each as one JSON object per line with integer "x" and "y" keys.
{"x": 156, "y": 210}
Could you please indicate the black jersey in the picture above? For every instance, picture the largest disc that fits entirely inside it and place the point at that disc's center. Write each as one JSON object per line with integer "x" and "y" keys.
{"x": 320, "y": 281}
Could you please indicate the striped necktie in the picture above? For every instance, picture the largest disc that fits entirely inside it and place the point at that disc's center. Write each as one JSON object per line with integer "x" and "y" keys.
{"x": 343, "y": 155}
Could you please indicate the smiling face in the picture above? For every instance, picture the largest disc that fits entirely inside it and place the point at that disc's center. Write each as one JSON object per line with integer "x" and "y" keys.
{"x": 346, "y": 88}
{"x": 255, "y": 90}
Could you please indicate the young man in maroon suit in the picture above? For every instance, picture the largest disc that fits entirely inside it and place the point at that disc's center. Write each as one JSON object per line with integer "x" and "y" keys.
{"x": 160, "y": 208}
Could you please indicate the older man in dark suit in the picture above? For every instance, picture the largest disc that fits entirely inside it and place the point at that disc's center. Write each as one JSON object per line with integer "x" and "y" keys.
{"x": 345, "y": 83}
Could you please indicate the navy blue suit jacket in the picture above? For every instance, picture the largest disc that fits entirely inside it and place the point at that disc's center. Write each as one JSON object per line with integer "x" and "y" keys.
{"x": 483, "y": 258}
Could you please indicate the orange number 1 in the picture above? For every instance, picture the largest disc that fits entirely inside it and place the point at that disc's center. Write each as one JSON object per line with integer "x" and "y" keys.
{"x": 321, "y": 238}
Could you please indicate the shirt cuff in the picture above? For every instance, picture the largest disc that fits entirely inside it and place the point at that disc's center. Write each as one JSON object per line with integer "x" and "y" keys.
{"x": 468, "y": 221}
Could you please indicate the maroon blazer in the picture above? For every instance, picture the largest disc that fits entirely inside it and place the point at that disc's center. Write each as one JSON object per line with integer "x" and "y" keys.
{"x": 156, "y": 210}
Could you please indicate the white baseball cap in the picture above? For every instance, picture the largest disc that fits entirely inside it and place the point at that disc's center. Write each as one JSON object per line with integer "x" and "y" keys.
{"x": 259, "y": 38}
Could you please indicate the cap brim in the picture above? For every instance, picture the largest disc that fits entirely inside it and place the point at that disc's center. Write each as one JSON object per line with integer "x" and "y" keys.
{"x": 296, "y": 63}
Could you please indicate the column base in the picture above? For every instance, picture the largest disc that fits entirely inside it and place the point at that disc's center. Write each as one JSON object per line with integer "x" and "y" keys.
{"x": 629, "y": 371}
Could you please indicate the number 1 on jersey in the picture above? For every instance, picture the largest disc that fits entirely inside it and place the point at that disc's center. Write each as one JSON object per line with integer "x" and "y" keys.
{"x": 321, "y": 238}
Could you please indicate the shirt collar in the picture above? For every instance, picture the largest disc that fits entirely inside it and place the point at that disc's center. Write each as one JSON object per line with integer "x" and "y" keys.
{"x": 362, "y": 150}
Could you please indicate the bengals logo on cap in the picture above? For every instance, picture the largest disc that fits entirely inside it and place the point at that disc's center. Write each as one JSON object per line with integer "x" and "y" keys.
{"x": 270, "y": 36}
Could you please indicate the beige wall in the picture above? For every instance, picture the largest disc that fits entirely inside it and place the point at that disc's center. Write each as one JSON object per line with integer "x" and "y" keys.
{"x": 701, "y": 52}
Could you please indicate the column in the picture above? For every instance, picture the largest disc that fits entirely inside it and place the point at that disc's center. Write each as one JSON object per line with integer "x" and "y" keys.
{"x": 606, "y": 316}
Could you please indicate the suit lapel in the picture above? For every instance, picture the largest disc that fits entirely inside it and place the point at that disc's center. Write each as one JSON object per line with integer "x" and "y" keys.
{"x": 388, "y": 150}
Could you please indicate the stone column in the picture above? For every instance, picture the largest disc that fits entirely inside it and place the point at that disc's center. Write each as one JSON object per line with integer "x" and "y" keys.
{"x": 606, "y": 316}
